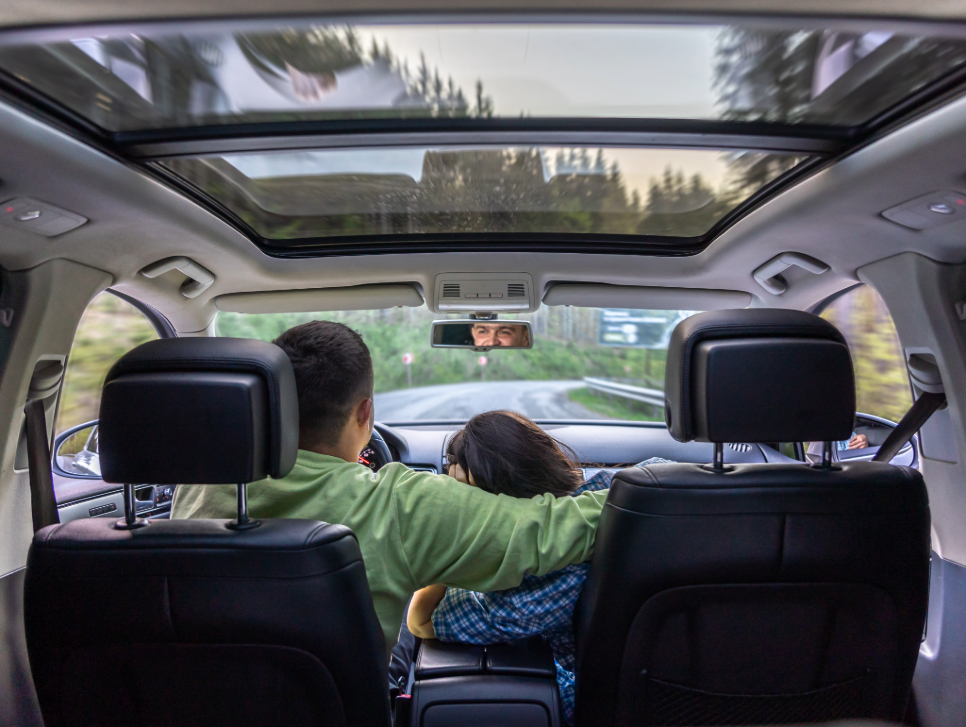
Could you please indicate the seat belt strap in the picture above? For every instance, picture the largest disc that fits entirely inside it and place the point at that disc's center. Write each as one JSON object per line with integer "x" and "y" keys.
{"x": 43, "y": 504}
{"x": 924, "y": 407}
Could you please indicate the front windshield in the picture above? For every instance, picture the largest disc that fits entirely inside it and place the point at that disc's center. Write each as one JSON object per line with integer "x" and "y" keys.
{"x": 586, "y": 363}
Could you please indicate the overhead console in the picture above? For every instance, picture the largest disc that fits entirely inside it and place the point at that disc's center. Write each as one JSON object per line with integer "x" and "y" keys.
{"x": 498, "y": 292}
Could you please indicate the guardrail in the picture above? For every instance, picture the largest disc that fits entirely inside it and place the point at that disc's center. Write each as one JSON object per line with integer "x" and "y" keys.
{"x": 637, "y": 393}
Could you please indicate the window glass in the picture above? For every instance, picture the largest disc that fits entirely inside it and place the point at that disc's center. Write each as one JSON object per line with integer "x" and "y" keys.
{"x": 109, "y": 328}
{"x": 288, "y": 195}
{"x": 881, "y": 380}
{"x": 586, "y": 363}
{"x": 130, "y": 78}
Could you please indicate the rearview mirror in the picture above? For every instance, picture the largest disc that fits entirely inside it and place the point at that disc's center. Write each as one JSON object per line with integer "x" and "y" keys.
{"x": 482, "y": 335}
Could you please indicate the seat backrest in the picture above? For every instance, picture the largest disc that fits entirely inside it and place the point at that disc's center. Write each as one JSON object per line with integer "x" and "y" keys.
{"x": 190, "y": 622}
{"x": 755, "y": 593}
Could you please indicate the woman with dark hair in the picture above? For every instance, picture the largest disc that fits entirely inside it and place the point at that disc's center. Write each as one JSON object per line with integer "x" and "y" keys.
{"x": 505, "y": 453}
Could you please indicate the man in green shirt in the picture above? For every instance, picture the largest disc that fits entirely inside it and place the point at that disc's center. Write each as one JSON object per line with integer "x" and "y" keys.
{"x": 414, "y": 528}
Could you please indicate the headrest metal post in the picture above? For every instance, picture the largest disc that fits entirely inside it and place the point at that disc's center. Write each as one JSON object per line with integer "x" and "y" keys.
{"x": 826, "y": 455}
{"x": 718, "y": 463}
{"x": 244, "y": 522}
{"x": 130, "y": 521}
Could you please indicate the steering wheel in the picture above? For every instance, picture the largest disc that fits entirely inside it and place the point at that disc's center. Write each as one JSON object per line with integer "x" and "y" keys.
{"x": 376, "y": 453}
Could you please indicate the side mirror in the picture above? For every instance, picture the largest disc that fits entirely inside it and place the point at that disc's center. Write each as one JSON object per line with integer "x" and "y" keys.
{"x": 75, "y": 453}
{"x": 482, "y": 334}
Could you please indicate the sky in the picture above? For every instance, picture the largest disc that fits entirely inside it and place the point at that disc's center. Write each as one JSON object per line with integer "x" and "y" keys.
{"x": 654, "y": 71}
{"x": 638, "y": 166}
{"x": 569, "y": 70}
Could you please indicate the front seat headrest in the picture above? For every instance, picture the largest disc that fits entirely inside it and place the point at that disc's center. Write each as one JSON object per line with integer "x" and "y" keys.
{"x": 758, "y": 375}
{"x": 199, "y": 411}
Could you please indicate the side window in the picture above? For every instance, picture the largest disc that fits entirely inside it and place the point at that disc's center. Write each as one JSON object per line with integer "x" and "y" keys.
{"x": 109, "y": 328}
{"x": 881, "y": 380}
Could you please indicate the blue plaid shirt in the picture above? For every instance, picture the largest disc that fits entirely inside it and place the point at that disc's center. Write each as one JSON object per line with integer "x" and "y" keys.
{"x": 539, "y": 605}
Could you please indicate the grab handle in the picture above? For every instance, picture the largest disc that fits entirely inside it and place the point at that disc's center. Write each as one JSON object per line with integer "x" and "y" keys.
{"x": 199, "y": 279}
{"x": 769, "y": 275}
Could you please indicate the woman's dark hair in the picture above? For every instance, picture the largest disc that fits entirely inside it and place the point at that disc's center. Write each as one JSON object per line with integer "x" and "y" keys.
{"x": 510, "y": 455}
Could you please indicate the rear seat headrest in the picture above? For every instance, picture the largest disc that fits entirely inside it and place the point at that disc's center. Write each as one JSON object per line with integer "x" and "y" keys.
{"x": 199, "y": 411}
{"x": 758, "y": 375}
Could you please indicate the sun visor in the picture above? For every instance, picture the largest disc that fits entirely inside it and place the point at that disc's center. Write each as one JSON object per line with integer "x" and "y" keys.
{"x": 593, "y": 295}
{"x": 359, "y": 297}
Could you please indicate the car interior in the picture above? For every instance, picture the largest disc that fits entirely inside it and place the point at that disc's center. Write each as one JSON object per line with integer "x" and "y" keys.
{"x": 685, "y": 189}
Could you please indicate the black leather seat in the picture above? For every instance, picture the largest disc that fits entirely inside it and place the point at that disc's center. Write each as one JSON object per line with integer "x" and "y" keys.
{"x": 190, "y": 622}
{"x": 755, "y": 593}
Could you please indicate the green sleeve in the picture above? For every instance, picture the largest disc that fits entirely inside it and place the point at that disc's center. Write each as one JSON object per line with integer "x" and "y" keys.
{"x": 461, "y": 536}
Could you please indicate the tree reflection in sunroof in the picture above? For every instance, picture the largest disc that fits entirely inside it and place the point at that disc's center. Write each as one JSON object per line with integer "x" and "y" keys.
{"x": 416, "y": 190}
{"x": 217, "y": 74}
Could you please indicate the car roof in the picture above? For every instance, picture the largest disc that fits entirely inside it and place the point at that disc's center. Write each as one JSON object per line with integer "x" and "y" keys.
{"x": 142, "y": 211}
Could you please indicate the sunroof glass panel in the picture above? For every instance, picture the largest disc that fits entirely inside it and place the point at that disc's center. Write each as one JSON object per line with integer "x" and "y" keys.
{"x": 217, "y": 74}
{"x": 292, "y": 195}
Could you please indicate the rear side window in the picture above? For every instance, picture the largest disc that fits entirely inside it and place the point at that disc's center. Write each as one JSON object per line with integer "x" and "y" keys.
{"x": 881, "y": 380}
{"x": 109, "y": 328}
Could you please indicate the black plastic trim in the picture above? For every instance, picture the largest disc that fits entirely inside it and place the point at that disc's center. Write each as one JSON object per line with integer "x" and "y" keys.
{"x": 161, "y": 324}
{"x": 818, "y": 308}
{"x": 485, "y": 242}
{"x": 752, "y": 135}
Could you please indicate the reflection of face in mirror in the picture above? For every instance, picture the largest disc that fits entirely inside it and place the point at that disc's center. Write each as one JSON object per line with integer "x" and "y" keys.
{"x": 500, "y": 334}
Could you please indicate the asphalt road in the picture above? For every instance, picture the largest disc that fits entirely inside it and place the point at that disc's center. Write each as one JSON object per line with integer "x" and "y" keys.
{"x": 535, "y": 399}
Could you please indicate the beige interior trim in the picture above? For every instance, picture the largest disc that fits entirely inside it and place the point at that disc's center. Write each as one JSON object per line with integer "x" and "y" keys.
{"x": 595, "y": 295}
{"x": 44, "y": 306}
{"x": 358, "y": 297}
{"x": 921, "y": 295}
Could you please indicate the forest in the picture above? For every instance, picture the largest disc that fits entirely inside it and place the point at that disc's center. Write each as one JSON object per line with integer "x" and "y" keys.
{"x": 565, "y": 349}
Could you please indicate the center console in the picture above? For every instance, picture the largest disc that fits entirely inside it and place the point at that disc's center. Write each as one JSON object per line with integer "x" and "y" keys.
{"x": 512, "y": 685}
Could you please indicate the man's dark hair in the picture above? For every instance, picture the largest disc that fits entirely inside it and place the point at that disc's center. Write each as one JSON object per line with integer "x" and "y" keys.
{"x": 333, "y": 373}
{"x": 509, "y": 454}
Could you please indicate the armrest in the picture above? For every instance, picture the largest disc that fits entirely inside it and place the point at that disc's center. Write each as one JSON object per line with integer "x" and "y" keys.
{"x": 437, "y": 660}
{"x": 512, "y": 684}
{"x": 526, "y": 658}
{"x": 531, "y": 657}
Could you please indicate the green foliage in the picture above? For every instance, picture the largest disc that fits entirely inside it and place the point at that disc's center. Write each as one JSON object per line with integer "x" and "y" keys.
{"x": 770, "y": 75}
{"x": 565, "y": 349}
{"x": 615, "y": 407}
{"x": 881, "y": 381}
{"x": 109, "y": 328}
{"x": 391, "y": 333}
{"x": 319, "y": 51}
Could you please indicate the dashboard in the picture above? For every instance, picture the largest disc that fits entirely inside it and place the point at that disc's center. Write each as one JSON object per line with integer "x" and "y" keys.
{"x": 370, "y": 459}
{"x": 422, "y": 445}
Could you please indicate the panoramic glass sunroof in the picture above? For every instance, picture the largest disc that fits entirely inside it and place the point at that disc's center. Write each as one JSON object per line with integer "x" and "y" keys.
{"x": 222, "y": 74}
{"x": 298, "y": 194}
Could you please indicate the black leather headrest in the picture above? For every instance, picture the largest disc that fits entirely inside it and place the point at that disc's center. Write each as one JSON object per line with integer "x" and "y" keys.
{"x": 758, "y": 375}
{"x": 199, "y": 411}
